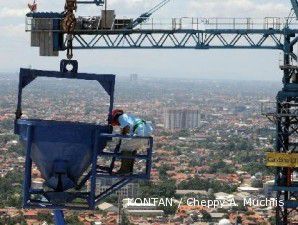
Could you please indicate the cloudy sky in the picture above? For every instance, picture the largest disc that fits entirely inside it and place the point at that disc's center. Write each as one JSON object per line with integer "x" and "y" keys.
{"x": 15, "y": 48}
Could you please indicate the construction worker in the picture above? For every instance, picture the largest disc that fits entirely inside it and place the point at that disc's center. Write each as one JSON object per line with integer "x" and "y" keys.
{"x": 33, "y": 7}
{"x": 133, "y": 126}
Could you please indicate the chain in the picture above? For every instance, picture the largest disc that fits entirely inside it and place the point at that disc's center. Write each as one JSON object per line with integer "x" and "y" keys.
{"x": 68, "y": 24}
{"x": 69, "y": 48}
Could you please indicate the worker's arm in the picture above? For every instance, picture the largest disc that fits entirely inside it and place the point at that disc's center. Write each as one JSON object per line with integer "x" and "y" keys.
{"x": 125, "y": 130}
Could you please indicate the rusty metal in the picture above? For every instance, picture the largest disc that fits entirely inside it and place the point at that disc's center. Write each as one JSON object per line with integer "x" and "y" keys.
{"x": 68, "y": 24}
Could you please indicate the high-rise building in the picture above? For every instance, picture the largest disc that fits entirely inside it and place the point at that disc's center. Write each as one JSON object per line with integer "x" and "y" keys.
{"x": 181, "y": 119}
{"x": 134, "y": 77}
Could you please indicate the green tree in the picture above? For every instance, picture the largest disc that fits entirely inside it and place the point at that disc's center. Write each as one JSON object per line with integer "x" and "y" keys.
{"x": 169, "y": 209}
{"x": 165, "y": 189}
{"x": 10, "y": 187}
{"x": 125, "y": 220}
{"x": 73, "y": 219}
{"x": 47, "y": 217}
{"x": 206, "y": 216}
{"x": 163, "y": 171}
{"x": 272, "y": 220}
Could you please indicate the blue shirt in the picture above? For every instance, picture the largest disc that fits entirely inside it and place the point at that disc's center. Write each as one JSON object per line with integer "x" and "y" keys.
{"x": 143, "y": 129}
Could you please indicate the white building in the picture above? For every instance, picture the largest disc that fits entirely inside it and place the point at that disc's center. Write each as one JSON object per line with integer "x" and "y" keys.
{"x": 134, "y": 77}
{"x": 181, "y": 119}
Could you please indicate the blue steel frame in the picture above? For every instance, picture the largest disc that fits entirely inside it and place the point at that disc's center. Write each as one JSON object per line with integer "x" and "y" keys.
{"x": 59, "y": 217}
{"x": 27, "y": 76}
{"x": 26, "y": 128}
{"x": 29, "y": 131}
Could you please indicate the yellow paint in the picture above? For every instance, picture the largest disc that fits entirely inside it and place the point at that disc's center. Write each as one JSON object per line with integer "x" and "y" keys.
{"x": 282, "y": 159}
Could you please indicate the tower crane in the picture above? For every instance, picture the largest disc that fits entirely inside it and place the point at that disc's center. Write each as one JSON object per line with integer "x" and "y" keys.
{"x": 56, "y": 32}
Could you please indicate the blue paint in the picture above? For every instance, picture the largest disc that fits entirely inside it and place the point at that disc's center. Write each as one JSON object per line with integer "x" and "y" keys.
{"x": 59, "y": 217}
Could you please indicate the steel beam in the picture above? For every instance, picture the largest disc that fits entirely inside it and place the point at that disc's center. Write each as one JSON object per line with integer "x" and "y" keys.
{"x": 182, "y": 39}
{"x": 59, "y": 217}
{"x": 295, "y": 7}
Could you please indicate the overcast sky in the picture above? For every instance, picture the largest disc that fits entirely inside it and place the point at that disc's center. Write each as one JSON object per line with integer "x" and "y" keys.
{"x": 15, "y": 50}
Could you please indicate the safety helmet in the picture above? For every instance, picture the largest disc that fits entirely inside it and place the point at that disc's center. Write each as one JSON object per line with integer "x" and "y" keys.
{"x": 115, "y": 115}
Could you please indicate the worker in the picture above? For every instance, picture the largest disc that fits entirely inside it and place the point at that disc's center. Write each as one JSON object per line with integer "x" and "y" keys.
{"x": 33, "y": 7}
{"x": 133, "y": 126}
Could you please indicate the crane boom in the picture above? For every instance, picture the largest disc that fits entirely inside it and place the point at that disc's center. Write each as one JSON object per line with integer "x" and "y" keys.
{"x": 158, "y": 6}
{"x": 295, "y": 7}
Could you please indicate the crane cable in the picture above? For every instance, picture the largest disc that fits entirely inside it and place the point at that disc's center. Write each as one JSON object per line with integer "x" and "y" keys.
{"x": 158, "y": 6}
{"x": 68, "y": 25}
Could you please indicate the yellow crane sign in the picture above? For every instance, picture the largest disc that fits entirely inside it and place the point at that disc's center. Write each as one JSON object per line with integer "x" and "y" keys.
{"x": 282, "y": 160}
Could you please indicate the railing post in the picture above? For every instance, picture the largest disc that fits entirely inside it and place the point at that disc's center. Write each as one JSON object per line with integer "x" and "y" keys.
{"x": 93, "y": 171}
{"x": 59, "y": 217}
{"x": 28, "y": 166}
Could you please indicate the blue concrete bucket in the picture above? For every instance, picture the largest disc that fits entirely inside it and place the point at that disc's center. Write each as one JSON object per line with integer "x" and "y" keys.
{"x": 62, "y": 151}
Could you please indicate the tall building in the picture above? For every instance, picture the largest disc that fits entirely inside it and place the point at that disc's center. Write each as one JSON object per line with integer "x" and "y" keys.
{"x": 134, "y": 77}
{"x": 181, "y": 119}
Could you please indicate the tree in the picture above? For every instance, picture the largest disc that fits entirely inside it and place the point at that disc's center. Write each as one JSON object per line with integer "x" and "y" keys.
{"x": 201, "y": 184}
{"x": 10, "y": 187}
{"x": 272, "y": 220}
{"x": 206, "y": 216}
{"x": 73, "y": 220}
{"x": 165, "y": 189}
{"x": 6, "y": 220}
{"x": 169, "y": 209}
{"x": 125, "y": 220}
{"x": 18, "y": 148}
{"x": 163, "y": 171}
{"x": 47, "y": 217}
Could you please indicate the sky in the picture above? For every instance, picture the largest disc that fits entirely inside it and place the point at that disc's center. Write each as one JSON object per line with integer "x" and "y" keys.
{"x": 15, "y": 50}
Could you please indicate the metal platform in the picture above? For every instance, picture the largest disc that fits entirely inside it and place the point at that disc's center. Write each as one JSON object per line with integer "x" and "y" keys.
{"x": 67, "y": 154}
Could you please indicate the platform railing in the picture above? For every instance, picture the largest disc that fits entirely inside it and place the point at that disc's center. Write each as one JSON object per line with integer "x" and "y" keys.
{"x": 144, "y": 151}
{"x": 268, "y": 108}
{"x": 194, "y": 23}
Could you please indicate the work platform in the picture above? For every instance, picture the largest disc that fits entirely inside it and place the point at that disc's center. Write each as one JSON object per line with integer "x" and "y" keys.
{"x": 71, "y": 156}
